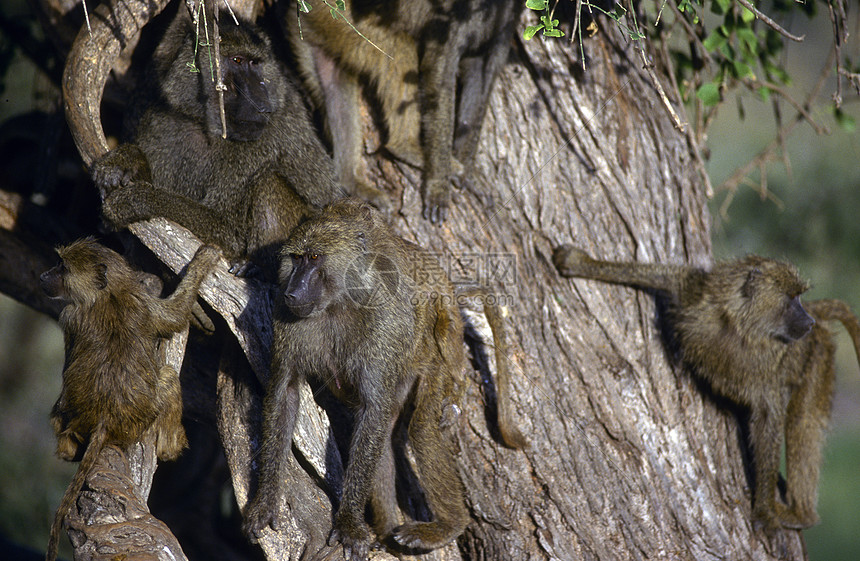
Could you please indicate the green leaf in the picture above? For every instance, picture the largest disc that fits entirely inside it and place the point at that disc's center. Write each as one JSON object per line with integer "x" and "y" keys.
{"x": 746, "y": 15}
{"x": 617, "y": 13}
{"x": 742, "y": 70}
{"x": 304, "y": 7}
{"x": 764, "y": 93}
{"x": 548, "y": 22}
{"x": 539, "y": 5}
{"x": 748, "y": 39}
{"x": 714, "y": 41}
{"x": 530, "y": 31}
{"x": 777, "y": 73}
{"x": 720, "y": 6}
{"x": 845, "y": 121}
{"x": 341, "y": 5}
{"x": 709, "y": 94}
{"x": 554, "y": 33}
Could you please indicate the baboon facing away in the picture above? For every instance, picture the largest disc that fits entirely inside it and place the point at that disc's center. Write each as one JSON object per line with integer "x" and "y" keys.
{"x": 374, "y": 318}
{"x": 244, "y": 192}
{"x": 431, "y": 66}
{"x": 742, "y": 328}
{"x": 113, "y": 388}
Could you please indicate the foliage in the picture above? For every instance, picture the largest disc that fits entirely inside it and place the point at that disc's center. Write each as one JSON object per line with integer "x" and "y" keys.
{"x": 716, "y": 48}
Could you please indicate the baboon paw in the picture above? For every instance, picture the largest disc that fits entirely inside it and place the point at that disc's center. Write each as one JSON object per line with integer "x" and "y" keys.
{"x": 257, "y": 519}
{"x": 119, "y": 168}
{"x": 423, "y": 536}
{"x": 355, "y": 547}
{"x": 795, "y": 518}
{"x": 207, "y": 255}
{"x": 566, "y": 257}
{"x": 244, "y": 268}
{"x": 437, "y": 199}
{"x": 766, "y": 522}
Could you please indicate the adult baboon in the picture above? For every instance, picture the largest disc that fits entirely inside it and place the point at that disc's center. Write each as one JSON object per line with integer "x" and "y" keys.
{"x": 742, "y": 328}
{"x": 374, "y": 318}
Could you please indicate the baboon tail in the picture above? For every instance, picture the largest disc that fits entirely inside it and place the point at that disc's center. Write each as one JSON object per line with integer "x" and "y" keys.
{"x": 97, "y": 442}
{"x": 510, "y": 434}
{"x": 837, "y": 310}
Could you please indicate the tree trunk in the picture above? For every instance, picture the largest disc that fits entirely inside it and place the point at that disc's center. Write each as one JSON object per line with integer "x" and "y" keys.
{"x": 629, "y": 457}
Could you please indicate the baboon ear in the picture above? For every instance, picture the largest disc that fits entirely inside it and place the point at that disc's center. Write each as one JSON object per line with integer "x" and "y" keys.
{"x": 101, "y": 276}
{"x": 751, "y": 283}
{"x": 366, "y": 212}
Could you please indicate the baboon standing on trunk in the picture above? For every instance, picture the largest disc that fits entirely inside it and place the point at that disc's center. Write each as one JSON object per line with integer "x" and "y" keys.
{"x": 374, "y": 318}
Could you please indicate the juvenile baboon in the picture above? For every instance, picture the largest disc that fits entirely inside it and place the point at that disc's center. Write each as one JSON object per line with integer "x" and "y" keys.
{"x": 113, "y": 389}
{"x": 742, "y": 328}
{"x": 430, "y": 65}
{"x": 244, "y": 192}
{"x": 374, "y": 318}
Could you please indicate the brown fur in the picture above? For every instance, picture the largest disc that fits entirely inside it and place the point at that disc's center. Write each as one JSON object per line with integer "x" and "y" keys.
{"x": 113, "y": 388}
{"x": 374, "y": 317}
{"x": 427, "y": 52}
{"x": 243, "y": 193}
{"x": 742, "y": 328}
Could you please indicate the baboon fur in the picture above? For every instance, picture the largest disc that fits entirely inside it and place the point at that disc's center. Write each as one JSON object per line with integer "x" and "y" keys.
{"x": 741, "y": 327}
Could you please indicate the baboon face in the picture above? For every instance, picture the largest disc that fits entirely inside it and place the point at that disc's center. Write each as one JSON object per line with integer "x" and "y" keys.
{"x": 247, "y": 103}
{"x": 52, "y": 282}
{"x": 771, "y": 291}
{"x": 323, "y": 258}
{"x": 81, "y": 273}
{"x": 305, "y": 290}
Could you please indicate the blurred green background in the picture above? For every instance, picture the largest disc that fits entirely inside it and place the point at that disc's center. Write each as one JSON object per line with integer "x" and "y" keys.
{"x": 815, "y": 224}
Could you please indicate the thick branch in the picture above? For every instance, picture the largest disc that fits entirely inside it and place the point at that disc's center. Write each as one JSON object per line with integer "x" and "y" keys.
{"x": 90, "y": 61}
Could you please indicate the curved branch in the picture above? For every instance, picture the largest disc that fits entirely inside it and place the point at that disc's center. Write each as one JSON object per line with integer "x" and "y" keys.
{"x": 90, "y": 61}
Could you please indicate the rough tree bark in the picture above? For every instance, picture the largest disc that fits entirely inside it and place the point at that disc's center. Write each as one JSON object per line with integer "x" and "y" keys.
{"x": 629, "y": 457}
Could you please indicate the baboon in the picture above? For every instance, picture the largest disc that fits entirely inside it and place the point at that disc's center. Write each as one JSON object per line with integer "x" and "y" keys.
{"x": 742, "y": 328}
{"x": 113, "y": 389}
{"x": 431, "y": 67}
{"x": 244, "y": 192}
{"x": 374, "y": 318}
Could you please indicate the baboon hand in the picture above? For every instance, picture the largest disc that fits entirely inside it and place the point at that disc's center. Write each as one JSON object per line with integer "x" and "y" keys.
{"x": 437, "y": 199}
{"x": 355, "y": 541}
{"x": 258, "y": 517}
{"x": 121, "y": 167}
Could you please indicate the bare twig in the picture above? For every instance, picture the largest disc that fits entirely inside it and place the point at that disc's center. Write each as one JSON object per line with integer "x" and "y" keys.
{"x": 783, "y": 94}
{"x": 688, "y": 132}
{"x": 219, "y": 78}
{"x": 840, "y": 35}
{"x": 770, "y": 23}
{"x": 768, "y": 153}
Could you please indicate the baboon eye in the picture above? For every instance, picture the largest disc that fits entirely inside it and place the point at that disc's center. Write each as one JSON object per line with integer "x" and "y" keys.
{"x": 238, "y": 60}
{"x": 314, "y": 256}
